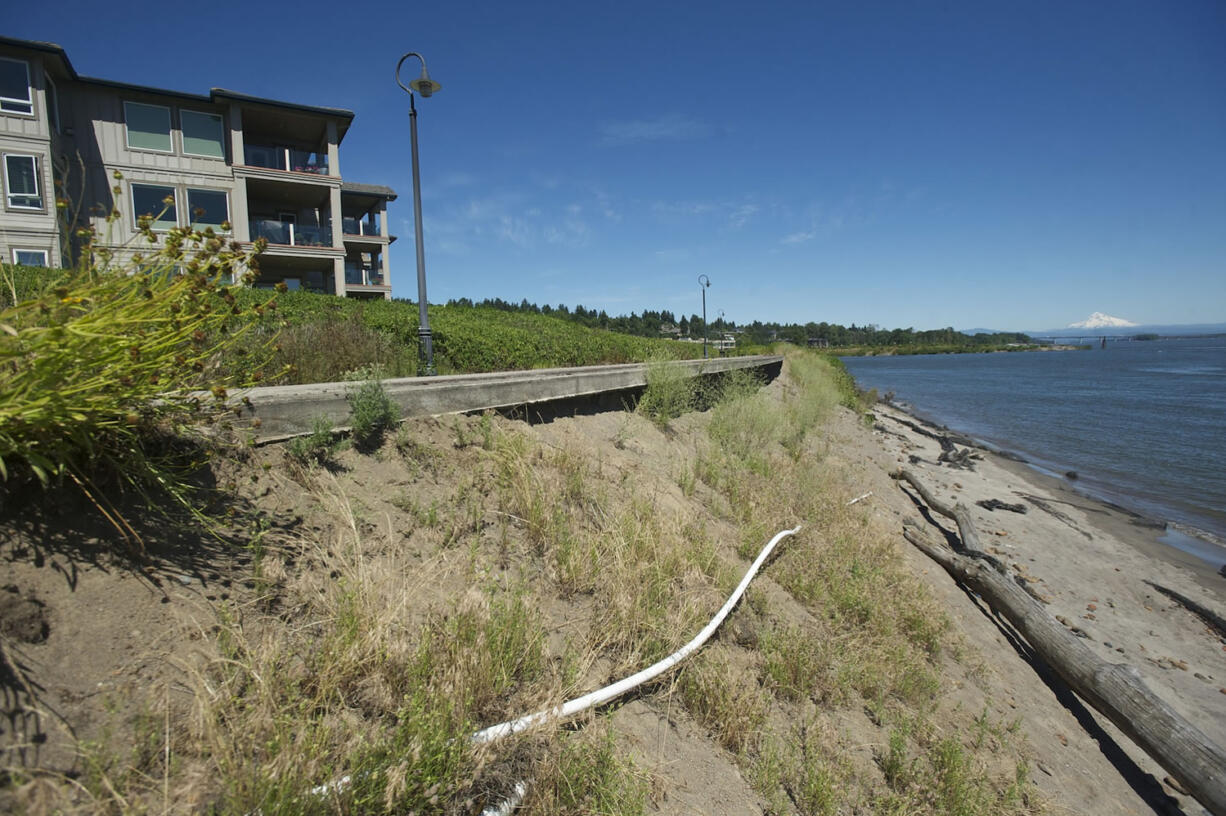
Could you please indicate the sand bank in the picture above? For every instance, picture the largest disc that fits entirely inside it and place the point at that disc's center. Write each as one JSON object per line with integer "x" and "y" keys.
{"x": 1094, "y": 566}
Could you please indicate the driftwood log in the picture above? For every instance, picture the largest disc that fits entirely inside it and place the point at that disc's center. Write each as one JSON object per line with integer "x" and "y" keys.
{"x": 1115, "y": 690}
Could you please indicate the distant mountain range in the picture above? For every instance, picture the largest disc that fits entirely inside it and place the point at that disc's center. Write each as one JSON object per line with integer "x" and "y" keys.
{"x": 1116, "y": 330}
{"x": 1098, "y": 320}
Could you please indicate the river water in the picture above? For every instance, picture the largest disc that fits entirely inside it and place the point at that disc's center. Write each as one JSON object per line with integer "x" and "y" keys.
{"x": 1143, "y": 424}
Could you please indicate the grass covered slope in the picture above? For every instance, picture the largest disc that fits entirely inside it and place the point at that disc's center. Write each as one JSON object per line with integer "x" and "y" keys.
{"x": 325, "y": 336}
{"x": 475, "y": 569}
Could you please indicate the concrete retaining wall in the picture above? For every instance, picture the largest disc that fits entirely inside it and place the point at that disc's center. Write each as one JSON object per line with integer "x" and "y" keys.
{"x": 283, "y": 411}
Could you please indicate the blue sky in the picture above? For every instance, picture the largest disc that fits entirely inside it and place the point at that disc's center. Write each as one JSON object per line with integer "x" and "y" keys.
{"x": 1007, "y": 165}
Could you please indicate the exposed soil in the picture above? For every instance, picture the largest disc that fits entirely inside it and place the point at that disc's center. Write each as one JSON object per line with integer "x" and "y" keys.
{"x": 93, "y": 641}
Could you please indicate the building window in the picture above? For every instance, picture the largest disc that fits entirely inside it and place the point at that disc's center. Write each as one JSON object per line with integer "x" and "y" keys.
{"x": 203, "y": 134}
{"x": 148, "y": 126}
{"x": 21, "y": 182}
{"x": 15, "y": 93}
{"x": 152, "y": 200}
{"x": 30, "y": 257}
{"x": 207, "y": 208}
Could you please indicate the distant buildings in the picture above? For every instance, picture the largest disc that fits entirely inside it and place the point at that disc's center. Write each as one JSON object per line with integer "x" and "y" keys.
{"x": 270, "y": 169}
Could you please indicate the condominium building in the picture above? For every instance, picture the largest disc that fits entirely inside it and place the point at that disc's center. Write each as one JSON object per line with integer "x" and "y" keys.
{"x": 269, "y": 169}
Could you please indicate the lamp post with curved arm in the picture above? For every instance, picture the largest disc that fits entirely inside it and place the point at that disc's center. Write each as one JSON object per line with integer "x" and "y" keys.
{"x": 425, "y": 341}
{"x": 704, "y": 284}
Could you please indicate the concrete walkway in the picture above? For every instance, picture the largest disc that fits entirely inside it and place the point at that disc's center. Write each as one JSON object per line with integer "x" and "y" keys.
{"x": 279, "y": 412}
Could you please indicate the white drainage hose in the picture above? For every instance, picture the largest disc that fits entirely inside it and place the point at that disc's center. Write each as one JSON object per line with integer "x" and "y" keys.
{"x": 495, "y": 732}
{"x": 595, "y": 698}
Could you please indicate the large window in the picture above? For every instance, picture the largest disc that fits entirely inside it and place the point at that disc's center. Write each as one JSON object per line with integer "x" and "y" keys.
{"x": 21, "y": 182}
{"x": 207, "y": 208}
{"x": 148, "y": 126}
{"x": 15, "y": 93}
{"x": 202, "y": 134}
{"x": 156, "y": 202}
{"x": 30, "y": 257}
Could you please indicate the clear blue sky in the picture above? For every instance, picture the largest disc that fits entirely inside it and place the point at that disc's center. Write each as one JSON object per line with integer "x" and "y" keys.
{"x": 1005, "y": 165}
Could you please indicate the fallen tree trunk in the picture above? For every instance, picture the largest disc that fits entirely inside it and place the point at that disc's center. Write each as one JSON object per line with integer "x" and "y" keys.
{"x": 1114, "y": 689}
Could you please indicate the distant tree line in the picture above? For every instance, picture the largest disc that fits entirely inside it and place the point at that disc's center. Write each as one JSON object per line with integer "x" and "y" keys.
{"x": 664, "y": 322}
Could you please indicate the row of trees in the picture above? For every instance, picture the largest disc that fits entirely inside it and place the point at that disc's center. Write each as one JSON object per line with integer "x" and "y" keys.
{"x": 653, "y": 324}
{"x": 647, "y": 324}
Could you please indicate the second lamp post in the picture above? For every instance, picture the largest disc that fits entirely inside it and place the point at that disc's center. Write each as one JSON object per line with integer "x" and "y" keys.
{"x": 704, "y": 284}
{"x": 426, "y": 87}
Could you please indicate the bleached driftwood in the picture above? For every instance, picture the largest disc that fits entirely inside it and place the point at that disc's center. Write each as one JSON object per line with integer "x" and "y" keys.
{"x": 1115, "y": 690}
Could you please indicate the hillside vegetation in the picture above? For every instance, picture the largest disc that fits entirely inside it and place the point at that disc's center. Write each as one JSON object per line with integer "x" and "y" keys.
{"x": 324, "y": 337}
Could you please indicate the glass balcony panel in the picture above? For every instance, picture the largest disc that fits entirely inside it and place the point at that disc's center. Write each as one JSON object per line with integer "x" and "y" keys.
{"x": 308, "y": 161}
{"x": 271, "y": 230}
{"x": 264, "y": 156}
{"x": 362, "y": 274}
{"x": 312, "y": 236}
{"x": 283, "y": 232}
{"x": 359, "y": 226}
{"x": 276, "y": 157}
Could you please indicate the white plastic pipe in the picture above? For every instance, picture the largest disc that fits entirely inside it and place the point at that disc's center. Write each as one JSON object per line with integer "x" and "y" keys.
{"x": 508, "y": 805}
{"x": 595, "y": 698}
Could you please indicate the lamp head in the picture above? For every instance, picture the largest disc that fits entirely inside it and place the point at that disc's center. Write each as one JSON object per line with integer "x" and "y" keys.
{"x": 424, "y": 85}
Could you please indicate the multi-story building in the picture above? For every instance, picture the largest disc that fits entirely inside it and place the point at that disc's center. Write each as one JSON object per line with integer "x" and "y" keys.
{"x": 269, "y": 169}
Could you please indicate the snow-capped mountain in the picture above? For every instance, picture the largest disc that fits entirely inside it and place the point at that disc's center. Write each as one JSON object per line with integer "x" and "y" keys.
{"x": 1098, "y": 320}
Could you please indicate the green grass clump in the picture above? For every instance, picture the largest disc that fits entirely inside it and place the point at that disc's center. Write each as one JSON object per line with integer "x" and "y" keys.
{"x": 371, "y": 411}
{"x": 588, "y": 776}
{"x": 669, "y": 392}
{"x": 317, "y": 447}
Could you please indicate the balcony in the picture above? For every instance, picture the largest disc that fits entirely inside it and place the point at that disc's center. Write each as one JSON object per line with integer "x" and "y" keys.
{"x": 287, "y": 233}
{"x": 273, "y": 157}
{"x": 360, "y": 226}
{"x": 363, "y": 275}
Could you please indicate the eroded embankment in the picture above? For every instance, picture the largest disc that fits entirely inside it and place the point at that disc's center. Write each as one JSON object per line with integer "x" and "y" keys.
{"x": 474, "y": 569}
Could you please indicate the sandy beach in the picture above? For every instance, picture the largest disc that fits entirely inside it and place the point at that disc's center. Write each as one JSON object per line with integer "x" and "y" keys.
{"x": 1094, "y": 566}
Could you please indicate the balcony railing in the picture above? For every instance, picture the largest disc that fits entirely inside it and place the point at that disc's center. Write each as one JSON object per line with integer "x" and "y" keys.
{"x": 360, "y": 275}
{"x": 274, "y": 157}
{"x": 359, "y": 226}
{"x": 287, "y": 233}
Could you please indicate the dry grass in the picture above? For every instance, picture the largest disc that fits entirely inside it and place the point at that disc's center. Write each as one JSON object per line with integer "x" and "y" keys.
{"x": 870, "y": 634}
{"x": 537, "y": 572}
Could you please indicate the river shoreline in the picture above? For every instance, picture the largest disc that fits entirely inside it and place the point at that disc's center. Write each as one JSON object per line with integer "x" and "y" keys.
{"x": 1099, "y": 569}
{"x": 1178, "y": 541}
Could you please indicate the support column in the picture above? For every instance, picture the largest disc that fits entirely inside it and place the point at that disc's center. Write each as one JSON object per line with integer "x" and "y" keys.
{"x": 338, "y": 227}
{"x": 240, "y": 219}
{"x": 334, "y": 153}
{"x": 237, "y": 151}
{"x": 386, "y": 266}
{"x": 338, "y": 276}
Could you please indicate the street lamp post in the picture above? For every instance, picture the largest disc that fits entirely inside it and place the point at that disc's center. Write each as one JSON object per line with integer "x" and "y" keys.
{"x": 704, "y": 284}
{"x": 425, "y": 341}
{"x": 722, "y": 336}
